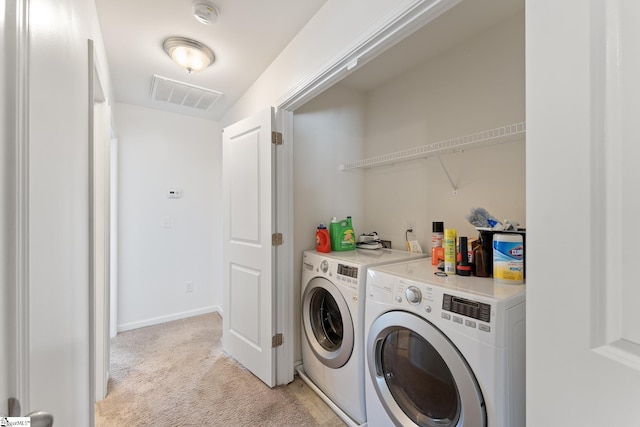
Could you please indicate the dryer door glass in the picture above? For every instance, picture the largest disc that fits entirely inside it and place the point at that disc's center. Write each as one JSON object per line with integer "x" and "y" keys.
{"x": 326, "y": 320}
{"x": 327, "y": 323}
{"x": 420, "y": 376}
{"x": 419, "y": 379}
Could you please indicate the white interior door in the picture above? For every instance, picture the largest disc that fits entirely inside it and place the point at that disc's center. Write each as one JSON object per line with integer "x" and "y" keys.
{"x": 583, "y": 322}
{"x": 248, "y": 218}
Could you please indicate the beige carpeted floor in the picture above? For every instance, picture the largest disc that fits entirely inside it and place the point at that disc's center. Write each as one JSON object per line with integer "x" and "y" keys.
{"x": 176, "y": 374}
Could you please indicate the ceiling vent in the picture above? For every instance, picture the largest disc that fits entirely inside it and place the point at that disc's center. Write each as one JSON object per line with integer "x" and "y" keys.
{"x": 178, "y": 93}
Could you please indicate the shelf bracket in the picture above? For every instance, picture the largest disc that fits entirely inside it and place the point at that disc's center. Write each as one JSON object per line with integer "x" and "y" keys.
{"x": 444, "y": 168}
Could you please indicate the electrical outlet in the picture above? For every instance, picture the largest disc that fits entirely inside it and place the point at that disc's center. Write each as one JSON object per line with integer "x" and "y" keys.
{"x": 410, "y": 224}
{"x": 189, "y": 287}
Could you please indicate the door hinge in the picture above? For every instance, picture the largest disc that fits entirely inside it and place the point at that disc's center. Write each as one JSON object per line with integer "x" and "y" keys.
{"x": 276, "y": 239}
{"x": 276, "y": 138}
{"x": 276, "y": 340}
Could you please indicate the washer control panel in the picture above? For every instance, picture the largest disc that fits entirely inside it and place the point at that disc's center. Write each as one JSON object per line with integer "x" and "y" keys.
{"x": 465, "y": 313}
{"x": 339, "y": 272}
{"x": 413, "y": 295}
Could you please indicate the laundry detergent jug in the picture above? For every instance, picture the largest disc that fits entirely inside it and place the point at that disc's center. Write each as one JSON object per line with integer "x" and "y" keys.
{"x": 323, "y": 241}
{"x": 343, "y": 238}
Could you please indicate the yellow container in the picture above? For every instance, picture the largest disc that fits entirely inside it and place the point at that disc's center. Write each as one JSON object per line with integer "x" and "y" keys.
{"x": 449, "y": 245}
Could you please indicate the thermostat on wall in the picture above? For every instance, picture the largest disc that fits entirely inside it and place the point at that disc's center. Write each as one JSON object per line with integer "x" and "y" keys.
{"x": 175, "y": 193}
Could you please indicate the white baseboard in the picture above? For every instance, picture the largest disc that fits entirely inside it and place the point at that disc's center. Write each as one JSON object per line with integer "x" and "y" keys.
{"x": 163, "y": 319}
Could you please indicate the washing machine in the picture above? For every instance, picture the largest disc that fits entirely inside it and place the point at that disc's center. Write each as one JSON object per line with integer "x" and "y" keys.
{"x": 443, "y": 350}
{"x": 333, "y": 295}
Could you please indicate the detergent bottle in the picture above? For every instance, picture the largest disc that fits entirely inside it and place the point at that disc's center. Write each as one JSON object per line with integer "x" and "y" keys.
{"x": 323, "y": 242}
{"x": 343, "y": 238}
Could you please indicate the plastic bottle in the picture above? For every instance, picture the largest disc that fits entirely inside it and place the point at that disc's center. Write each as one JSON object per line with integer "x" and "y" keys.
{"x": 508, "y": 258}
{"x": 343, "y": 238}
{"x": 323, "y": 241}
{"x": 334, "y": 232}
{"x": 436, "y": 240}
{"x": 449, "y": 245}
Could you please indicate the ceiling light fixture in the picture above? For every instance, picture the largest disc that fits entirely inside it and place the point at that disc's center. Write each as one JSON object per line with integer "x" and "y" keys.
{"x": 189, "y": 54}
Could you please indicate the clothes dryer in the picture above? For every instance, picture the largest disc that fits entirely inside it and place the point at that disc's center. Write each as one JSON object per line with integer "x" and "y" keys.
{"x": 443, "y": 351}
{"x": 333, "y": 295}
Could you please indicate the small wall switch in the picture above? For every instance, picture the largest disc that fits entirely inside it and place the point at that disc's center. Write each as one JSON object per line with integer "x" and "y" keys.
{"x": 166, "y": 222}
{"x": 189, "y": 287}
{"x": 174, "y": 193}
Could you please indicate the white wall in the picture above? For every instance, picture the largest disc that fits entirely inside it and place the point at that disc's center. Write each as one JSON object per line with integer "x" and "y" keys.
{"x": 477, "y": 85}
{"x": 58, "y": 203}
{"x": 158, "y": 151}
{"x": 327, "y": 131}
{"x": 474, "y": 86}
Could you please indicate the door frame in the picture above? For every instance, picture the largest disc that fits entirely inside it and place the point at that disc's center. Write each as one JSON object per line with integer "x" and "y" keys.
{"x": 379, "y": 39}
{"x": 99, "y": 231}
{"x": 19, "y": 123}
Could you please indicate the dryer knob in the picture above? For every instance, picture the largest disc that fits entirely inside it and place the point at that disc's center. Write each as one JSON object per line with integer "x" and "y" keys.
{"x": 413, "y": 295}
{"x": 398, "y": 299}
{"x": 324, "y": 266}
{"x": 427, "y": 309}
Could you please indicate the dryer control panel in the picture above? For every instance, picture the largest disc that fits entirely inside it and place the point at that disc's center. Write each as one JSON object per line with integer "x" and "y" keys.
{"x": 348, "y": 271}
{"x": 466, "y": 307}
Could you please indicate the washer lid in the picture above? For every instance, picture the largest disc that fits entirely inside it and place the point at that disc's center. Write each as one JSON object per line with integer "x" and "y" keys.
{"x": 369, "y": 257}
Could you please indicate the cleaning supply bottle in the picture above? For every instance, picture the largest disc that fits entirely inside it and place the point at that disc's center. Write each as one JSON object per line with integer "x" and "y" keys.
{"x": 323, "y": 241}
{"x": 436, "y": 240}
{"x": 334, "y": 232}
{"x": 449, "y": 245}
{"x": 343, "y": 238}
{"x": 508, "y": 258}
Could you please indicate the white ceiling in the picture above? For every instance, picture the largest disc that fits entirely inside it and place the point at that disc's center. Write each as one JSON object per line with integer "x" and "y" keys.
{"x": 460, "y": 23}
{"x": 248, "y": 36}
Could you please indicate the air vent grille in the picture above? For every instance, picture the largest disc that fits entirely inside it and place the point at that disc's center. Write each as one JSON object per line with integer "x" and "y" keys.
{"x": 179, "y": 93}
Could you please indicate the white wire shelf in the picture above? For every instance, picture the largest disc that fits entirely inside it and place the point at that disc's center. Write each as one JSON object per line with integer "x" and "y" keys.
{"x": 498, "y": 135}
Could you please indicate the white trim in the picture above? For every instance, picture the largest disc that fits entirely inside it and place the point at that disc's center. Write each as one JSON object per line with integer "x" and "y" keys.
{"x": 22, "y": 203}
{"x": 163, "y": 319}
{"x": 94, "y": 377}
{"x": 284, "y": 266}
{"x": 608, "y": 279}
{"x": 377, "y": 41}
{"x": 379, "y": 38}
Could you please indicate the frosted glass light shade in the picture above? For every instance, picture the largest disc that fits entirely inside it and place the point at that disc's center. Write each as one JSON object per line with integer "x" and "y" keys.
{"x": 188, "y": 54}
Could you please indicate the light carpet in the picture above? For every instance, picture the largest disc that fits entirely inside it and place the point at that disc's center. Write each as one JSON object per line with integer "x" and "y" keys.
{"x": 176, "y": 374}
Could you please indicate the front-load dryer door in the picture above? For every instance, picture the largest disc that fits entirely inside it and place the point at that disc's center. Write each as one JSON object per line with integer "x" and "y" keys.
{"x": 327, "y": 323}
{"x": 419, "y": 375}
